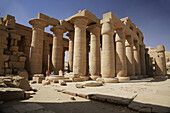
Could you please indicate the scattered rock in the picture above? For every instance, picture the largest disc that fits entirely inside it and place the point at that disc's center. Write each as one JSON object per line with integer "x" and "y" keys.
{"x": 79, "y": 85}
{"x": 45, "y": 82}
{"x": 72, "y": 98}
{"x": 62, "y": 82}
{"x": 93, "y": 84}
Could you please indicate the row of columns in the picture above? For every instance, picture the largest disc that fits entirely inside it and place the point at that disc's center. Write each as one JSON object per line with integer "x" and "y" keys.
{"x": 122, "y": 61}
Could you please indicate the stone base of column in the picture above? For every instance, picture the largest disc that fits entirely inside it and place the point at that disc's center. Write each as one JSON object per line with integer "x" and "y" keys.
{"x": 134, "y": 77}
{"x": 84, "y": 78}
{"x": 123, "y": 79}
{"x": 160, "y": 77}
{"x": 94, "y": 77}
{"x": 110, "y": 80}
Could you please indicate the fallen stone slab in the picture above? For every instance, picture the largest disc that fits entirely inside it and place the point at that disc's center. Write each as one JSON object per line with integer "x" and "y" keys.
{"x": 11, "y": 94}
{"x": 79, "y": 85}
{"x": 158, "y": 102}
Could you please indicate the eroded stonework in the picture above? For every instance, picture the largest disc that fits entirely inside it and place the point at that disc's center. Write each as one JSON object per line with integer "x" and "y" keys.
{"x": 116, "y": 47}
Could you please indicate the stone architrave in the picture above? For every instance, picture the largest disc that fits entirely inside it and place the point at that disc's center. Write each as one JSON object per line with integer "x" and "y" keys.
{"x": 37, "y": 45}
{"x": 142, "y": 60}
{"x": 79, "y": 59}
{"x": 57, "y": 50}
{"x": 121, "y": 65}
{"x": 129, "y": 56}
{"x": 137, "y": 58}
{"x": 160, "y": 67}
{"x": 71, "y": 51}
{"x": 107, "y": 55}
{"x": 95, "y": 51}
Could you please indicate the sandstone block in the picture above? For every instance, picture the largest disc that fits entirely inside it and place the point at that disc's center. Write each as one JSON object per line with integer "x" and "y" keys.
{"x": 22, "y": 59}
{"x": 8, "y": 71}
{"x": 79, "y": 85}
{"x": 18, "y": 65}
{"x": 14, "y": 48}
{"x": 5, "y": 57}
{"x": 76, "y": 79}
{"x": 3, "y": 46}
{"x": 45, "y": 82}
{"x": 11, "y": 94}
{"x": 62, "y": 82}
{"x": 22, "y": 83}
{"x": 38, "y": 79}
{"x": 6, "y": 64}
{"x": 50, "y": 20}
{"x": 3, "y": 33}
{"x": 13, "y": 58}
{"x": 93, "y": 84}
{"x": 15, "y": 36}
{"x": 1, "y": 71}
{"x": 23, "y": 73}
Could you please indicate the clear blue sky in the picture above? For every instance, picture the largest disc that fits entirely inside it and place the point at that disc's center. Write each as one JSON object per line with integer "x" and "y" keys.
{"x": 151, "y": 16}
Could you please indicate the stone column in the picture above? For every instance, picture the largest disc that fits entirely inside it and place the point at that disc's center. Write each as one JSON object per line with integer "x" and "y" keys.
{"x": 57, "y": 50}
{"x": 130, "y": 56}
{"x": 160, "y": 67}
{"x": 71, "y": 51}
{"x": 121, "y": 66}
{"x": 94, "y": 51}
{"x": 137, "y": 58}
{"x": 79, "y": 59}
{"x": 37, "y": 45}
{"x": 107, "y": 55}
{"x": 142, "y": 60}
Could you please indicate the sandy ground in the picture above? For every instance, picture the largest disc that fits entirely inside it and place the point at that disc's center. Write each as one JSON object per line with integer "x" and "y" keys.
{"x": 48, "y": 100}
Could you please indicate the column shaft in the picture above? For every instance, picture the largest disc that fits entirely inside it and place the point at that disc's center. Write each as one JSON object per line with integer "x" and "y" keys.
{"x": 94, "y": 51}
{"x": 130, "y": 56}
{"x": 37, "y": 45}
{"x": 137, "y": 58}
{"x": 57, "y": 50}
{"x": 142, "y": 60}
{"x": 71, "y": 51}
{"x": 79, "y": 59}
{"x": 107, "y": 55}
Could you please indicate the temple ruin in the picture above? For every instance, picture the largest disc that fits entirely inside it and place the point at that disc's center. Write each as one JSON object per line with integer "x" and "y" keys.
{"x": 116, "y": 47}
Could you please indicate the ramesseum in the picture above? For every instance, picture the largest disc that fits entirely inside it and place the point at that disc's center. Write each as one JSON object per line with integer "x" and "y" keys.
{"x": 117, "y": 50}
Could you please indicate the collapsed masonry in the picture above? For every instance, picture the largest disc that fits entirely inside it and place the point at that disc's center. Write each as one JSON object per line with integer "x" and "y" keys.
{"x": 116, "y": 47}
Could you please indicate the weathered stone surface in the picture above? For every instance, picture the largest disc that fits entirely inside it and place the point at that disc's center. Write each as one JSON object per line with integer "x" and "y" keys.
{"x": 23, "y": 73}
{"x": 93, "y": 84}
{"x": 18, "y": 65}
{"x": 79, "y": 85}
{"x": 38, "y": 79}
{"x": 62, "y": 82}
{"x": 22, "y": 83}
{"x": 45, "y": 82}
{"x": 22, "y": 59}
{"x": 11, "y": 94}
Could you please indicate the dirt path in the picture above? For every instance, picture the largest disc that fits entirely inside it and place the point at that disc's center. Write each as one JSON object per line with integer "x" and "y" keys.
{"x": 48, "y": 100}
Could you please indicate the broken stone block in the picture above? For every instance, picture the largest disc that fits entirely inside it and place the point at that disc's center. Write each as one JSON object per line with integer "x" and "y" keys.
{"x": 76, "y": 79}
{"x": 93, "y": 84}
{"x": 7, "y": 81}
{"x": 22, "y": 83}
{"x": 61, "y": 73}
{"x": 27, "y": 95}
{"x": 45, "y": 82}
{"x": 72, "y": 98}
{"x": 38, "y": 78}
{"x": 79, "y": 85}
{"x": 100, "y": 80}
{"x": 11, "y": 94}
{"x": 62, "y": 82}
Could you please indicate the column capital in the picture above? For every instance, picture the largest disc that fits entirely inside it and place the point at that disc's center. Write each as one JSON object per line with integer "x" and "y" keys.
{"x": 38, "y": 23}
{"x": 58, "y": 30}
{"x": 160, "y": 48}
{"x": 128, "y": 41}
{"x": 136, "y": 45}
{"x": 120, "y": 35}
{"x": 80, "y": 21}
{"x": 107, "y": 28}
{"x": 94, "y": 29}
